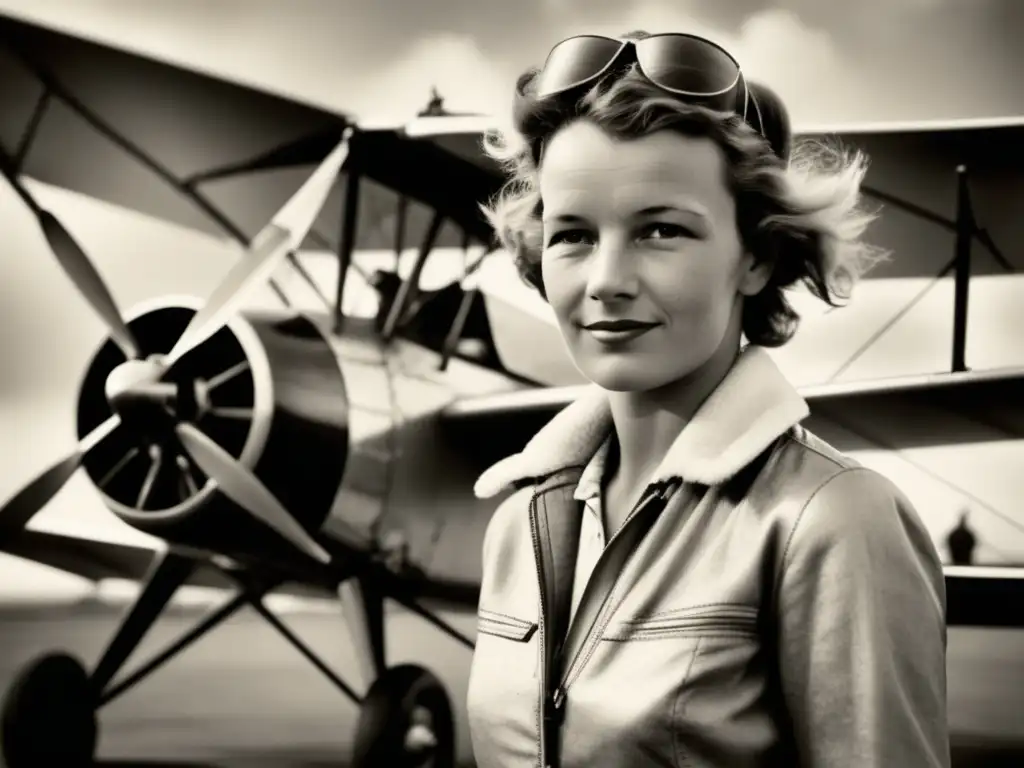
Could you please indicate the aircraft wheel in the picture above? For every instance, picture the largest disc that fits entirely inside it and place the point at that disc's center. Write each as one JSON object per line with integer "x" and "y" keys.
{"x": 49, "y": 715}
{"x": 406, "y": 722}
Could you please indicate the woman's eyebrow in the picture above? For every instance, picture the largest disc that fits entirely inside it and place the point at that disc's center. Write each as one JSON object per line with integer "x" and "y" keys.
{"x": 692, "y": 209}
{"x": 657, "y": 210}
{"x": 563, "y": 218}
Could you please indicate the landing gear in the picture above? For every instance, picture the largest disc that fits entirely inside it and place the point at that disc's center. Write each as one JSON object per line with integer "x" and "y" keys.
{"x": 49, "y": 715}
{"x": 406, "y": 722}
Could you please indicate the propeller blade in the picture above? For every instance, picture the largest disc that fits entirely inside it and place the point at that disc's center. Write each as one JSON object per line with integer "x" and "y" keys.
{"x": 301, "y": 210}
{"x": 256, "y": 266}
{"x": 283, "y": 234}
{"x": 83, "y": 274}
{"x": 242, "y": 487}
{"x": 24, "y": 505}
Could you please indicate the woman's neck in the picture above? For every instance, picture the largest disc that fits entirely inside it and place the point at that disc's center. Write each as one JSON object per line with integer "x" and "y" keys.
{"x": 648, "y": 423}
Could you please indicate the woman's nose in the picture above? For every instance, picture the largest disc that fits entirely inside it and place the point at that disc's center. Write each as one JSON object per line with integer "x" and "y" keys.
{"x": 612, "y": 272}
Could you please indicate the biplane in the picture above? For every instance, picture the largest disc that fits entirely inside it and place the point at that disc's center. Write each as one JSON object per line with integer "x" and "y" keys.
{"x": 331, "y": 452}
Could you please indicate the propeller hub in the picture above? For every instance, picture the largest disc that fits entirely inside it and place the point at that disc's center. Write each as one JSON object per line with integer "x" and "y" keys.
{"x": 136, "y": 380}
{"x": 217, "y": 389}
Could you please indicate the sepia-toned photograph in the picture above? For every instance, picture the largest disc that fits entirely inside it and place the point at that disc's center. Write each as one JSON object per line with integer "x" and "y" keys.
{"x": 542, "y": 384}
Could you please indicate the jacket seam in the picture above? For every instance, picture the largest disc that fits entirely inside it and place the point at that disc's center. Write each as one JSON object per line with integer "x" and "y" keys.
{"x": 508, "y": 619}
{"x": 800, "y": 517}
{"x": 687, "y": 619}
{"x": 506, "y": 631}
{"x": 657, "y": 634}
{"x": 681, "y": 758}
{"x": 671, "y": 612}
{"x": 504, "y": 615}
{"x": 795, "y": 437}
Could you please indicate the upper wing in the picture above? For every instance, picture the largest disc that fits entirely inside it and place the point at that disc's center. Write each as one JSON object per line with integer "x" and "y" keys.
{"x": 208, "y": 154}
{"x": 913, "y": 179}
{"x": 130, "y": 130}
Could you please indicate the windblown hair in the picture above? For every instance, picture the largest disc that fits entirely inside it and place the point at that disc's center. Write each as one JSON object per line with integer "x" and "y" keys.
{"x": 804, "y": 216}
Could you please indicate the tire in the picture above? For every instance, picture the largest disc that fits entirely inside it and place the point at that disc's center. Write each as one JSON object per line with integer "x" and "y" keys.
{"x": 394, "y": 703}
{"x": 49, "y": 715}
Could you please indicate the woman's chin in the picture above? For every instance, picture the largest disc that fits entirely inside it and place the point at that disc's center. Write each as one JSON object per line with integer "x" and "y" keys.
{"x": 620, "y": 376}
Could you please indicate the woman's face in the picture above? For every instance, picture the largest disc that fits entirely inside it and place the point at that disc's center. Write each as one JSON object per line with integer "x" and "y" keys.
{"x": 642, "y": 260}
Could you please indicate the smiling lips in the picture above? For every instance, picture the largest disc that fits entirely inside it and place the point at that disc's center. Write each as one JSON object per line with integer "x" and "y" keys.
{"x": 617, "y": 331}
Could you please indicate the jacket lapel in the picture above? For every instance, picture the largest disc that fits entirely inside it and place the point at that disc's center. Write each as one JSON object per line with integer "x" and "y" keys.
{"x": 556, "y": 518}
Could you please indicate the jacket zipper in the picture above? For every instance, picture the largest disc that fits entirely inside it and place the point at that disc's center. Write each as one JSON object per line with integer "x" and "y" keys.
{"x": 553, "y": 704}
{"x": 546, "y": 710}
{"x": 658, "y": 497}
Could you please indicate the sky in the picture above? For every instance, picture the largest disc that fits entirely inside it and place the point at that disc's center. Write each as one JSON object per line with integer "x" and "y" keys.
{"x": 833, "y": 61}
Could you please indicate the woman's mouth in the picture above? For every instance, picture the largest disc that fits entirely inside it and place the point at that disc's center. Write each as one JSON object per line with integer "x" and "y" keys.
{"x": 618, "y": 331}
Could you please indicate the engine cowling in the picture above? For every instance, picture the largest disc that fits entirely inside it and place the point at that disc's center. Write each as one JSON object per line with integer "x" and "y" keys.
{"x": 268, "y": 388}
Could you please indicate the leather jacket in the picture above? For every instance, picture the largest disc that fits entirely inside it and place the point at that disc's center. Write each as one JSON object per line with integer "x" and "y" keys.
{"x": 768, "y": 603}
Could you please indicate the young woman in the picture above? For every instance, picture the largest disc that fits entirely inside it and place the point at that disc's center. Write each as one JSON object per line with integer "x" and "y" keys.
{"x": 684, "y": 576}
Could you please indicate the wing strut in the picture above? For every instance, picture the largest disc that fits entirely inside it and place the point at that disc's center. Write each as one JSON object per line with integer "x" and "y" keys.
{"x": 401, "y": 214}
{"x": 470, "y": 292}
{"x": 407, "y": 290}
{"x": 347, "y": 241}
{"x": 966, "y": 228}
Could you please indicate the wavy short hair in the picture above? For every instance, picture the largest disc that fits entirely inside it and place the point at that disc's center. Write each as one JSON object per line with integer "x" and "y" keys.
{"x": 803, "y": 214}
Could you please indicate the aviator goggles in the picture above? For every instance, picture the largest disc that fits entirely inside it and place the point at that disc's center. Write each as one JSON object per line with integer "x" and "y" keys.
{"x": 696, "y": 70}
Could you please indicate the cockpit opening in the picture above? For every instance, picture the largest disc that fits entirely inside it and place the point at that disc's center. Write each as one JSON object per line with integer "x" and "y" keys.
{"x": 429, "y": 317}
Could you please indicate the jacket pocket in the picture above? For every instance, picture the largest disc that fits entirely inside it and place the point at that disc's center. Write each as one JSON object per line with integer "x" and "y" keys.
{"x": 711, "y": 620}
{"x": 502, "y": 625}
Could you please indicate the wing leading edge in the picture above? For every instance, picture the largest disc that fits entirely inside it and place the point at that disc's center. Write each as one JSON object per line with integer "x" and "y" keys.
{"x": 929, "y": 410}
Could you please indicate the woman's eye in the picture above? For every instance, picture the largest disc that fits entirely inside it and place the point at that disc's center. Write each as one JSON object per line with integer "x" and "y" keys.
{"x": 570, "y": 237}
{"x": 665, "y": 231}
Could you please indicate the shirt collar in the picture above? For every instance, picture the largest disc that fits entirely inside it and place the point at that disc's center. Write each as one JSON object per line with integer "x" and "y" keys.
{"x": 589, "y": 486}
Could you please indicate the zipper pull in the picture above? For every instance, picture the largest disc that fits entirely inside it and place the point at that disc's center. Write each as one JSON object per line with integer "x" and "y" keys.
{"x": 558, "y": 698}
{"x": 555, "y": 710}
{"x": 554, "y": 714}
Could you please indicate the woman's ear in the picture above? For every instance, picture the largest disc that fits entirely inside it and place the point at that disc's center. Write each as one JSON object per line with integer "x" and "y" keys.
{"x": 755, "y": 274}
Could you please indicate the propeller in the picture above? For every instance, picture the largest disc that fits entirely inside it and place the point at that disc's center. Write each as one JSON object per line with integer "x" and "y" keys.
{"x": 136, "y": 378}
{"x": 78, "y": 267}
{"x": 283, "y": 234}
{"x": 245, "y": 489}
{"x": 23, "y": 506}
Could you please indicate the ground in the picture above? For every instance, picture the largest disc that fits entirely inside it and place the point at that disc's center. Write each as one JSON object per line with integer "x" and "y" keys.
{"x": 242, "y": 698}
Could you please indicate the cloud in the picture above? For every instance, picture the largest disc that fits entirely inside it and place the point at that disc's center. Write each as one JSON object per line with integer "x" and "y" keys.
{"x": 455, "y": 64}
{"x": 774, "y": 46}
{"x": 804, "y": 65}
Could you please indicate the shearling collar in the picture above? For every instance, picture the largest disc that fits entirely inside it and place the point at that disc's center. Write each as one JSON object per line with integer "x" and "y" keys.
{"x": 752, "y": 407}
